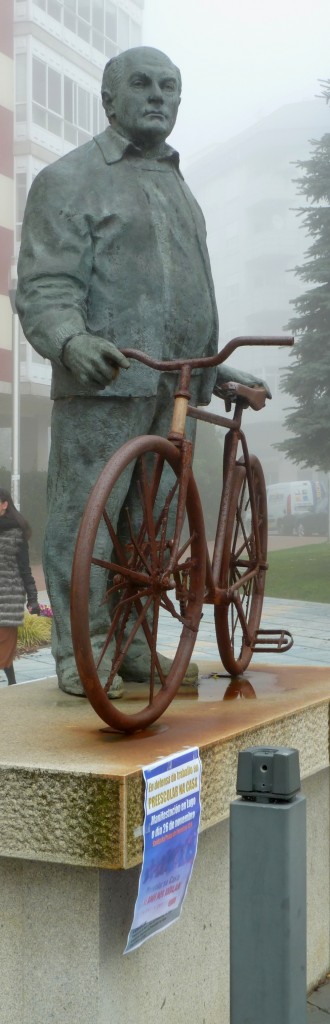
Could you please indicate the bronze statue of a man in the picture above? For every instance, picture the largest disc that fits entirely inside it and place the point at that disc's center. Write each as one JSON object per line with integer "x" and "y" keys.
{"x": 113, "y": 255}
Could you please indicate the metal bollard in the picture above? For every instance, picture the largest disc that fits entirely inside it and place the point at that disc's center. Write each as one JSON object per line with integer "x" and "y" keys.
{"x": 268, "y": 890}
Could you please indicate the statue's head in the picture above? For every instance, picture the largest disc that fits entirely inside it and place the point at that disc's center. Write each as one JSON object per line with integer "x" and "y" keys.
{"x": 141, "y": 91}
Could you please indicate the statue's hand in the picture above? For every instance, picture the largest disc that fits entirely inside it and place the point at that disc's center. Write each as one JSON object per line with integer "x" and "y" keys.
{"x": 94, "y": 361}
{"x": 226, "y": 373}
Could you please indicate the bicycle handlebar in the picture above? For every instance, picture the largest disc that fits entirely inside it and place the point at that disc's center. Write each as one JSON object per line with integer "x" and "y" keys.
{"x": 205, "y": 361}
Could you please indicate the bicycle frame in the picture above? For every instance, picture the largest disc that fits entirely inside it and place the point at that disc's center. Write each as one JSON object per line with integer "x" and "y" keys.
{"x": 214, "y": 594}
{"x": 234, "y": 437}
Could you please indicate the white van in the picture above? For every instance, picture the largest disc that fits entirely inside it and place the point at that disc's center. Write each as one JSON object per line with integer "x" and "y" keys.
{"x": 289, "y": 499}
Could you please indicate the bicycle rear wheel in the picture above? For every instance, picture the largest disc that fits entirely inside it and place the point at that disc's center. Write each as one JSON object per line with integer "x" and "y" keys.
{"x": 140, "y": 582}
{"x": 237, "y": 621}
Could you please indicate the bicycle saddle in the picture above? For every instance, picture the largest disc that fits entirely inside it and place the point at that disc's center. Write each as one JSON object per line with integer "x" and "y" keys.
{"x": 255, "y": 397}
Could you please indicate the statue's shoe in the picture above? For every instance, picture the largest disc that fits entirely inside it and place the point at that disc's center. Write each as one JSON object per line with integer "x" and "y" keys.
{"x": 74, "y": 686}
{"x": 116, "y": 690}
{"x": 68, "y": 678}
{"x": 137, "y": 670}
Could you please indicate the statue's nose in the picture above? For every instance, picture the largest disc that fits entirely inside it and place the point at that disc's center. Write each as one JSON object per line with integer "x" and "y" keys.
{"x": 155, "y": 92}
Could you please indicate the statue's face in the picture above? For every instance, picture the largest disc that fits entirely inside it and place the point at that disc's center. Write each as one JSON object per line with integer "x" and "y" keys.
{"x": 146, "y": 103}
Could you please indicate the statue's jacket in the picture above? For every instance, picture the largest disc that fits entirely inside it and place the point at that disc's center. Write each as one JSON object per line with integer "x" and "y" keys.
{"x": 115, "y": 244}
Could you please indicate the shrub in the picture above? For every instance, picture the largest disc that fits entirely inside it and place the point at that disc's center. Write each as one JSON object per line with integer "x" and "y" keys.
{"x": 34, "y": 632}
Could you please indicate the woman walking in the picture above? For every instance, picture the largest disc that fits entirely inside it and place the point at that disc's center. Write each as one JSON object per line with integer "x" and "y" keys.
{"x": 16, "y": 580}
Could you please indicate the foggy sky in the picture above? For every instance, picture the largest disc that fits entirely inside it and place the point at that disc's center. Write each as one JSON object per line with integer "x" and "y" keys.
{"x": 239, "y": 59}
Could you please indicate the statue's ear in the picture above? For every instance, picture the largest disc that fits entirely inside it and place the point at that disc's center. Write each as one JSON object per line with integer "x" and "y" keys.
{"x": 107, "y": 102}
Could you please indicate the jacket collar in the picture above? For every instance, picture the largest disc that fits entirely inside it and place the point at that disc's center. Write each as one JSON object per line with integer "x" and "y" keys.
{"x": 8, "y": 522}
{"x": 114, "y": 147}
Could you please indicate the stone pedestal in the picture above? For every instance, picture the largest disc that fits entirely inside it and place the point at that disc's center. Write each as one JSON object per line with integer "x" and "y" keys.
{"x": 71, "y": 811}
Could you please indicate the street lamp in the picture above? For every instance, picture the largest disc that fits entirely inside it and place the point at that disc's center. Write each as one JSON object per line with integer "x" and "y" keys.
{"x": 15, "y": 391}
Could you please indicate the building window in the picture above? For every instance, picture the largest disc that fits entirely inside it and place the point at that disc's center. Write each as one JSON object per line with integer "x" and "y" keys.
{"x": 52, "y": 7}
{"x": 123, "y": 30}
{"x": 46, "y": 97}
{"x": 135, "y": 33}
{"x": 20, "y": 198}
{"x": 25, "y": 170}
{"x": 101, "y": 23}
{"x": 63, "y": 107}
{"x": 20, "y": 75}
{"x": 78, "y": 112}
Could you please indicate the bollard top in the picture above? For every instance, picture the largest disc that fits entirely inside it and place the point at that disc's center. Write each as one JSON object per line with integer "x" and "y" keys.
{"x": 268, "y": 773}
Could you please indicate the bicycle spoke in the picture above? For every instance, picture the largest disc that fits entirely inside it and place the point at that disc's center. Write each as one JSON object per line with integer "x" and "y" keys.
{"x": 184, "y": 548}
{"x": 112, "y": 590}
{"x": 153, "y": 653}
{"x": 169, "y": 606}
{"x": 242, "y": 616}
{"x": 122, "y": 645}
{"x": 162, "y": 520}
{"x": 115, "y": 540}
{"x": 148, "y": 635}
{"x": 148, "y": 510}
{"x": 137, "y": 546}
{"x": 124, "y": 570}
{"x": 109, "y": 637}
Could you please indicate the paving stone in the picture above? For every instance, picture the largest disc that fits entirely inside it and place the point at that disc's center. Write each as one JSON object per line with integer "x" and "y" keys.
{"x": 321, "y": 998}
{"x": 316, "y": 1016}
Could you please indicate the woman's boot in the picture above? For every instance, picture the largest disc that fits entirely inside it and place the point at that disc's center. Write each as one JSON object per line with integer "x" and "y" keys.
{"x": 10, "y": 675}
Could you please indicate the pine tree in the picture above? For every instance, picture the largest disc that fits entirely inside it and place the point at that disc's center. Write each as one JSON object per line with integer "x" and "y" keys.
{"x": 308, "y": 379}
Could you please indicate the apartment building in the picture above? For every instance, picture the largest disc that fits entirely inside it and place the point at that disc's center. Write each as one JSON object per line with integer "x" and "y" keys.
{"x": 6, "y": 199}
{"x": 52, "y": 56}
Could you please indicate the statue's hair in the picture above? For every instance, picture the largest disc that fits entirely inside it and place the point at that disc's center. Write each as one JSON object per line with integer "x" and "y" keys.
{"x": 114, "y": 68}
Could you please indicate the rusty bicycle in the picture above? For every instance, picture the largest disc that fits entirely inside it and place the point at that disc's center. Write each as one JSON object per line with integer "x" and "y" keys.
{"x": 157, "y": 564}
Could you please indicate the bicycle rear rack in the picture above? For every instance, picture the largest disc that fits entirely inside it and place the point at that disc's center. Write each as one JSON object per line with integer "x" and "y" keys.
{"x": 267, "y": 640}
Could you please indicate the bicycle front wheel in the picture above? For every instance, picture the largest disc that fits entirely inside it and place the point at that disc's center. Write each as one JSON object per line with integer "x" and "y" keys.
{"x": 237, "y": 620}
{"x": 141, "y": 583}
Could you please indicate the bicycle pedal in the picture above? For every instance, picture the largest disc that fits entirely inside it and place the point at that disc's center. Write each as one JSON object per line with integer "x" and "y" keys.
{"x": 267, "y": 640}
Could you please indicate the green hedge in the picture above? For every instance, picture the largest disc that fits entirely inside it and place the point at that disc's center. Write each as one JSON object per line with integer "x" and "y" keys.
{"x": 33, "y": 505}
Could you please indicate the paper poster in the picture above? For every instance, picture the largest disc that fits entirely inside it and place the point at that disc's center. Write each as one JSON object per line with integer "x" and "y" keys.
{"x": 171, "y": 821}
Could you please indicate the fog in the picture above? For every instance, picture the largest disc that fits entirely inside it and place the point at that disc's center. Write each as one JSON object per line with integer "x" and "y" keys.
{"x": 239, "y": 60}
{"x": 251, "y": 73}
